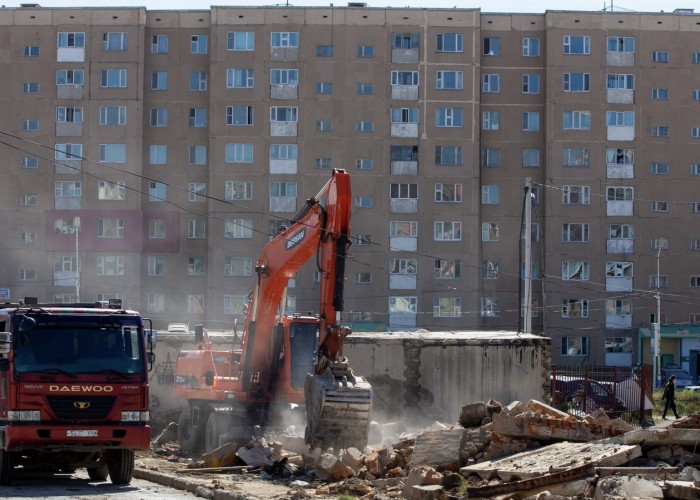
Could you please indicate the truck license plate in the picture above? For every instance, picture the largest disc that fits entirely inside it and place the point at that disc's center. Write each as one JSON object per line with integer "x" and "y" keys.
{"x": 82, "y": 433}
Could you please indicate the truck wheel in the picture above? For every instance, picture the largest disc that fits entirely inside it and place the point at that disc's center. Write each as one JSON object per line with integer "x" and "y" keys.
{"x": 121, "y": 467}
{"x": 187, "y": 435}
{"x": 98, "y": 473}
{"x": 217, "y": 424}
{"x": 5, "y": 468}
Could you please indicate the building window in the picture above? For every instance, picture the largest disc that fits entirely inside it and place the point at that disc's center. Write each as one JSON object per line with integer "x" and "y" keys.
{"x": 577, "y": 82}
{"x": 575, "y": 270}
{"x": 69, "y": 76}
{"x": 404, "y": 115}
{"x": 576, "y": 195}
{"x": 659, "y": 94}
{"x": 619, "y": 270}
{"x": 403, "y": 266}
{"x": 238, "y": 153}
{"x": 197, "y": 155}
{"x": 156, "y": 191}
{"x": 695, "y": 282}
{"x": 409, "y": 78}
{"x": 238, "y": 266}
{"x": 69, "y": 114}
{"x": 364, "y": 201}
{"x": 695, "y": 94}
{"x": 28, "y": 200}
{"x": 405, "y": 229}
{"x": 239, "y": 190}
{"x": 284, "y": 113}
{"x": 448, "y": 193}
{"x": 574, "y": 308}
{"x": 450, "y": 42}
{"x": 284, "y": 151}
{"x": 490, "y": 83}
{"x": 27, "y": 275}
{"x": 657, "y": 281}
{"x": 198, "y": 44}
{"x": 324, "y": 51}
{"x": 31, "y": 51}
{"x": 617, "y": 193}
{"x": 284, "y": 76}
{"x": 198, "y": 80}
{"x": 197, "y": 191}
{"x": 159, "y": 117}
{"x": 235, "y": 304}
{"x": 577, "y": 45}
{"x": 659, "y": 56}
{"x": 659, "y": 206}
{"x": 448, "y": 117}
{"x": 364, "y": 89}
{"x": 110, "y": 265}
{"x": 490, "y": 120}
{"x": 156, "y": 229}
{"x": 324, "y": 125}
{"x": 362, "y": 239}
{"x": 365, "y": 51}
{"x": 240, "y": 78}
{"x": 113, "y": 191}
{"x": 619, "y": 156}
{"x": 324, "y": 88}
{"x": 531, "y": 84}
{"x": 364, "y": 164}
{"x": 363, "y": 278}
{"x": 531, "y": 121}
{"x": 110, "y": 228}
{"x": 489, "y": 307}
{"x": 446, "y": 269}
{"x": 659, "y": 168}
{"x": 30, "y": 162}
{"x": 489, "y": 231}
{"x": 403, "y": 191}
{"x": 238, "y": 229}
{"x": 159, "y": 80}
{"x": 195, "y": 304}
{"x": 68, "y": 152}
{"x": 196, "y": 266}
{"x": 575, "y": 233}
{"x": 240, "y": 40}
{"x": 112, "y": 115}
{"x": 156, "y": 303}
{"x": 531, "y": 47}
{"x": 196, "y": 229}
{"x": 283, "y": 189}
{"x": 695, "y": 207}
{"x": 577, "y": 120}
{"x": 113, "y": 78}
{"x": 490, "y": 195}
{"x": 659, "y": 131}
{"x": 622, "y": 81}
{"x": 620, "y": 118}
{"x": 657, "y": 243}
{"x": 284, "y": 39}
{"x": 364, "y": 126}
{"x": 405, "y": 40}
{"x": 159, "y": 44}
{"x": 112, "y": 153}
{"x": 695, "y": 132}
{"x": 447, "y": 307}
{"x": 491, "y": 157}
{"x": 323, "y": 163}
{"x": 73, "y": 40}
{"x": 30, "y": 87}
{"x": 68, "y": 189}
{"x": 158, "y": 155}
{"x": 574, "y": 346}
{"x": 530, "y": 158}
{"x": 620, "y": 231}
{"x": 448, "y": 155}
{"x": 30, "y": 125}
{"x": 491, "y": 46}
{"x": 620, "y": 44}
{"x": 490, "y": 269}
{"x": 115, "y": 41}
{"x": 449, "y": 80}
{"x": 198, "y": 117}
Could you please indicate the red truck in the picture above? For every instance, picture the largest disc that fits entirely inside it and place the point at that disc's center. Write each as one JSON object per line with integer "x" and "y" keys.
{"x": 73, "y": 388}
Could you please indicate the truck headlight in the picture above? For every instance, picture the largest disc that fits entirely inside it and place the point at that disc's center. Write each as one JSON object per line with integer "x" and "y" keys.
{"x": 135, "y": 416}
{"x": 24, "y": 415}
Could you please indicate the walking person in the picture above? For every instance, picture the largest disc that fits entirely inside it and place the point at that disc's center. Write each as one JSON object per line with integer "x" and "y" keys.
{"x": 670, "y": 397}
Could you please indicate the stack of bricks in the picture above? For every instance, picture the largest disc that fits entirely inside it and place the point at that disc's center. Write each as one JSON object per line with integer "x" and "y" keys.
{"x": 692, "y": 421}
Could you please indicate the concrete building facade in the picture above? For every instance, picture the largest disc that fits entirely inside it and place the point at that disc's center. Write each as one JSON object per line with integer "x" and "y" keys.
{"x": 149, "y": 156}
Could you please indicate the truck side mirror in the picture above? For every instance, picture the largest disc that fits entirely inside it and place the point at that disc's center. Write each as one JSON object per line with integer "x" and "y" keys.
{"x": 5, "y": 342}
{"x": 151, "y": 357}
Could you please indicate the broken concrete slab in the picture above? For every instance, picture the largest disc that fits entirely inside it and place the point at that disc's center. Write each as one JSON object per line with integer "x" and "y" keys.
{"x": 627, "y": 487}
{"x": 554, "y": 458}
{"x": 658, "y": 437}
{"x": 683, "y": 490}
{"x": 439, "y": 449}
{"x": 536, "y": 425}
{"x": 428, "y": 492}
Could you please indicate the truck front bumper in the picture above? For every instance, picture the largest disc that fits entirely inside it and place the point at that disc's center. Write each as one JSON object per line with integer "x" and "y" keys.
{"x": 17, "y": 437}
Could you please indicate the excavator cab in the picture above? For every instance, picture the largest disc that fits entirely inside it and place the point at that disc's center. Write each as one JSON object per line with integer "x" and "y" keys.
{"x": 303, "y": 342}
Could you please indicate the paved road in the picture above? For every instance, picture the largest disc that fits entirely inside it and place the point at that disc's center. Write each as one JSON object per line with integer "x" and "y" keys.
{"x": 36, "y": 485}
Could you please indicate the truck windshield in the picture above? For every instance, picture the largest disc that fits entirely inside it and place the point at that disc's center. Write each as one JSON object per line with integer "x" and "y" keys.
{"x": 78, "y": 348}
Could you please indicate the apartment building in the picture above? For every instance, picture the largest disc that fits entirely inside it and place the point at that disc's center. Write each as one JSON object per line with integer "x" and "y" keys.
{"x": 150, "y": 155}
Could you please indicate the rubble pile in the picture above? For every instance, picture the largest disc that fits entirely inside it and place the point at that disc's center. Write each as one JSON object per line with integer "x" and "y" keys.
{"x": 494, "y": 450}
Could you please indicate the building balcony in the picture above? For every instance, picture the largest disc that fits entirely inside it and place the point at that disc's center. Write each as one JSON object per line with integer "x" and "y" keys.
{"x": 284, "y": 91}
{"x": 402, "y": 320}
{"x": 620, "y": 208}
{"x": 620, "y": 96}
{"x": 620, "y": 171}
{"x": 618, "y": 284}
{"x": 402, "y": 281}
{"x": 69, "y": 91}
{"x": 283, "y": 166}
{"x": 65, "y": 278}
{"x": 283, "y": 129}
{"x": 404, "y": 92}
{"x": 403, "y": 244}
{"x": 620, "y": 133}
{"x": 620, "y": 246}
{"x": 403, "y": 206}
{"x": 404, "y": 168}
{"x": 620, "y": 59}
{"x": 283, "y": 204}
{"x": 64, "y": 129}
{"x": 404, "y": 130}
{"x": 284, "y": 54}
{"x": 67, "y": 203}
{"x": 405, "y": 56}
{"x": 70, "y": 54}
{"x": 618, "y": 321}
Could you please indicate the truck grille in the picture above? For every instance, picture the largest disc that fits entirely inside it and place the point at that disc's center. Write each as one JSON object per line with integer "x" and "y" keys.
{"x": 81, "y": 407}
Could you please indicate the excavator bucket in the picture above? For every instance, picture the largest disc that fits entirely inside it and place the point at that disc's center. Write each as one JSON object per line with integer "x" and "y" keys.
{"x": 338, "y": 408}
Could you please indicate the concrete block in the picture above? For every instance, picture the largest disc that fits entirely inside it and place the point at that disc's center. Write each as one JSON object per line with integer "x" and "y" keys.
{"x": 439, "y": 449}
{"x": 429, "y": 492}
{"x": 420, "y": 476}
{"x": 627, "y": 487}
{"x": 330, "y": 468}
{"x": 352, "y": 457}
{"x": 683, "y": 490}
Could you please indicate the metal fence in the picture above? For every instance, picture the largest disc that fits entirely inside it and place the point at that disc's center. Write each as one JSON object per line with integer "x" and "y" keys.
{"x": 621, "y": 391}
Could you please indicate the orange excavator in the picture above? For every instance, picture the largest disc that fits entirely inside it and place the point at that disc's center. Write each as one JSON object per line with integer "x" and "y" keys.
{"x": 283, "y": 360}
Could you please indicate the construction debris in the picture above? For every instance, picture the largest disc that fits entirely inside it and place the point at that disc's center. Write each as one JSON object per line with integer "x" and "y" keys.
{"x": 519, "y": 450}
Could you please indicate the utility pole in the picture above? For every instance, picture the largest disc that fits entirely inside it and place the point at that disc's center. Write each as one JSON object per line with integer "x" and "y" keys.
{"x": 657, "y": 324}
{"x": 76, "y": 230}
{"x": 527, "y": 292}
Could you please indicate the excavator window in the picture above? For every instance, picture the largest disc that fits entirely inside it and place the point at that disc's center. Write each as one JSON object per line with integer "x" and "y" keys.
{"x": 303, "y": 341}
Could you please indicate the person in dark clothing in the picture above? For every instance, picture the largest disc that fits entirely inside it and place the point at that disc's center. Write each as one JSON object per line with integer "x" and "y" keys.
{"x": 670, "y": 396}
